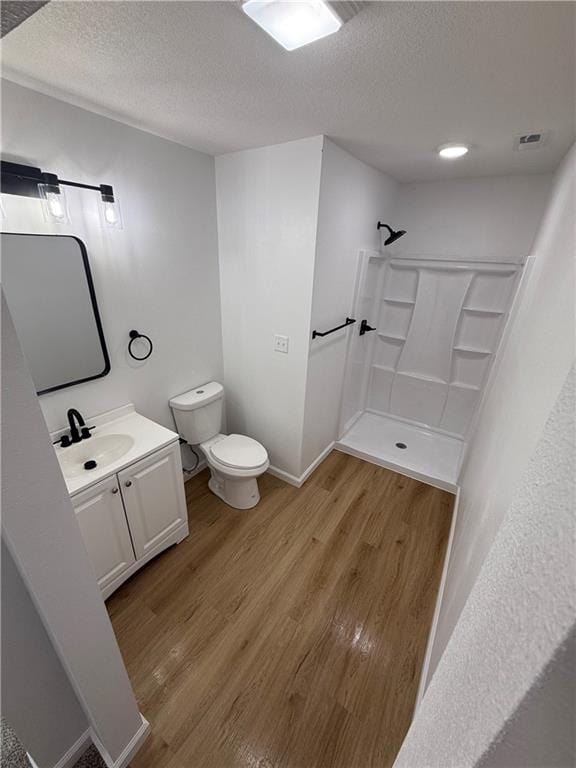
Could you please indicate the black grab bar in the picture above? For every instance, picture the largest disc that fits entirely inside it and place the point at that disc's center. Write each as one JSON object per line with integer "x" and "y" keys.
{"x": 349, "y": 321}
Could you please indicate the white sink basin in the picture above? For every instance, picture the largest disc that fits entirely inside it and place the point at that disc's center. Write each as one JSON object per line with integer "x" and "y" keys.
{"x": 103, "y": 449}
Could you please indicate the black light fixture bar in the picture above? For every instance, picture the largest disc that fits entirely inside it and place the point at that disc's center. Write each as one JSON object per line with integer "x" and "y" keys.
{"x": 18, "y": 179}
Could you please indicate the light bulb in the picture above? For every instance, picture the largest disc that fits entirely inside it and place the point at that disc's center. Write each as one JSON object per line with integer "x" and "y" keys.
{"x": 110, "y": 213}
{"x": 56, "y": 208}
{"x": 54, "y": 205}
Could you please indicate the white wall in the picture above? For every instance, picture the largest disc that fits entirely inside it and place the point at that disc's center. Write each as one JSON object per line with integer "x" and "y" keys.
{"x": 353, "y": 197}
{"x": 489, "y": 219}
{"x": 158, "y": 275}
{"x": 541, "y": 731}
{"x": 41, "y": 533}
{"x": 531, "y": 369}
{"x": 267, "y": 214}
{"x": 516, "y": 620}
{"x": 37, "y": 699}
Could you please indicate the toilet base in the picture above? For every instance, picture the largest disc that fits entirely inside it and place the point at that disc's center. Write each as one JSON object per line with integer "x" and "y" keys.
{"x": 239, "y": 493}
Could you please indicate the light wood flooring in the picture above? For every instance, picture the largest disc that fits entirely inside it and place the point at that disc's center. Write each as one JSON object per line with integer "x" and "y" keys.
{"x": 291, "y": 635}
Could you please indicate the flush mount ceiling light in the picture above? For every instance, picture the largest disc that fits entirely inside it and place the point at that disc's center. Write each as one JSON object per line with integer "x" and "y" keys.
{"x": 293, "y": 23}
{"x": 452, "y": 151}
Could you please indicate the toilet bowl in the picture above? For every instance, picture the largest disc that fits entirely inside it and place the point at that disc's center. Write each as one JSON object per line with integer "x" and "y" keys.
{"x": 235, "y": 461}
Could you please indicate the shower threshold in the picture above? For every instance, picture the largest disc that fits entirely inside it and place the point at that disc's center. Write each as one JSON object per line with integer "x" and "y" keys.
{"x": 405, "y": 448}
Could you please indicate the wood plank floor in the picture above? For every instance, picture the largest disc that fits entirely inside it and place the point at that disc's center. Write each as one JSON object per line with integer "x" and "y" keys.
{"x": 291, "y": 635}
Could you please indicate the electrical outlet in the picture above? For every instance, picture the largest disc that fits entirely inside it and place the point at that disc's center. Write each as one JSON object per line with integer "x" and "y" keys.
{"x": 281, "y": 344}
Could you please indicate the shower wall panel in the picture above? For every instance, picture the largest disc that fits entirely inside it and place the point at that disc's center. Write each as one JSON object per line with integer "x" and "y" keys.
{"x": 438, "y": 327}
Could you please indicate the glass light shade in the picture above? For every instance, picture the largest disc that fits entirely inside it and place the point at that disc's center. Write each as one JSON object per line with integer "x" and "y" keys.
{"x": 110, "y": 214}
{"x": 293, "y": 23}
{"x": 54, "y": 206}
{"x": 452, "y": 151}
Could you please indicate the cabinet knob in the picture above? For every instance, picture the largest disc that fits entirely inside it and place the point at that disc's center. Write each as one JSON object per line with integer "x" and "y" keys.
{"x": 114, "y": 490}
{"x": 128, "y": 483}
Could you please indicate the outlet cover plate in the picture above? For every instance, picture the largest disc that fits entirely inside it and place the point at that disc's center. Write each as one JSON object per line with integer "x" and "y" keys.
{"x": 281, "y": 344}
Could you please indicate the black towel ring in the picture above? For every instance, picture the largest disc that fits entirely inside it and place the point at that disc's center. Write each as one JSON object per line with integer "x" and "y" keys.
{"x": 136, "y": 335}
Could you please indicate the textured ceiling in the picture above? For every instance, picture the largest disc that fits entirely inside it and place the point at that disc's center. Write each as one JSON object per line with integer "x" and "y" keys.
{"x": 14, "y": 12}
{"x": 396, "y": 81}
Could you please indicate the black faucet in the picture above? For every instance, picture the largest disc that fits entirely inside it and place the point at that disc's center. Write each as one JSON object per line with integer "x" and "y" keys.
{"x": 75, "y": 434}
{"x": 84, "y": 430}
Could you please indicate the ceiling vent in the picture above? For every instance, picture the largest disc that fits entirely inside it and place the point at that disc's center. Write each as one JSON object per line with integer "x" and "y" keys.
{"x": 530, "y": 140}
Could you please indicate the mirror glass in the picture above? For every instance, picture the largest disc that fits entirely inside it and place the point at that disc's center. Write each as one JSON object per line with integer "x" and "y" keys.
{"x": 51, "y": 297}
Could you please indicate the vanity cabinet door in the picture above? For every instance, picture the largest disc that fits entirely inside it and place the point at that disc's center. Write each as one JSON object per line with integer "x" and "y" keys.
{"x": 102, "y": 520}
{"x": 153, "y": 492}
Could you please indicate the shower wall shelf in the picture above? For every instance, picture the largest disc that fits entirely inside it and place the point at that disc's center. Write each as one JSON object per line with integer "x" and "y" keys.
{"x": 454, "y": 265}
{"x": 391, "y": 336}
{"x": 472, "y": 351}
{"x": 462, "y": 385}
{"x": 482, "y": 311}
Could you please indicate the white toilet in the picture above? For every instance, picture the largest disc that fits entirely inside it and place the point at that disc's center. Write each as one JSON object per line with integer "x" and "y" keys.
{"x": 235, "y": 461}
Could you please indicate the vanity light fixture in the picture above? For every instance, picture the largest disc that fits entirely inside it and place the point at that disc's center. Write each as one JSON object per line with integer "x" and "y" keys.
{"x": 28, "y": 181}
{"x": 110, "y": 213}
{"x": 293, "y": 23}
{"x": 453, "y": 151}
{"x": 53, "y": 200}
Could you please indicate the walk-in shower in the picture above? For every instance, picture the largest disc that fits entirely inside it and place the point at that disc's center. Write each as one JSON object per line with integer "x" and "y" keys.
{"x": 413, "y": 386}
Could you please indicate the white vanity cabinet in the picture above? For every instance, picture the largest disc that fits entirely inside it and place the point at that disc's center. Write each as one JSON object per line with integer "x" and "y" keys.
{"x": 102, "y": 520}
{"x": 132, "y": 515}
{"x": 153, "y": 493}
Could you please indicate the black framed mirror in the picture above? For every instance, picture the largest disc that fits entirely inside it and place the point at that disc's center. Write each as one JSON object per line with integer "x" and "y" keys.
{"x": 50, "y": 294}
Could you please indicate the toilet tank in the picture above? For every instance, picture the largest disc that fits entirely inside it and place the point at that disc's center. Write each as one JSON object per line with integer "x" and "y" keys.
{"x": 198, "y": 413}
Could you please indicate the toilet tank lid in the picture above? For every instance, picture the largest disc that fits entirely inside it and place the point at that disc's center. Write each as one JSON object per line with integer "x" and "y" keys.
{"x": 196, "y": 398}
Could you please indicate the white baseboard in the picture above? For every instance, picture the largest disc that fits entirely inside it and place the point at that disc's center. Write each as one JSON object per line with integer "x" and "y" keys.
{"x": 439, "y": 597}
{"x": 129, "y": 750}
{"x": 299, "y": 481}
{"x": 286, "y": 476}
{"x": 72, "y": 755}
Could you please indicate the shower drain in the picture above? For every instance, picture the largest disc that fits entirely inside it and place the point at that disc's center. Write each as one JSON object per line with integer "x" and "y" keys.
{"x": 401, "y": 445}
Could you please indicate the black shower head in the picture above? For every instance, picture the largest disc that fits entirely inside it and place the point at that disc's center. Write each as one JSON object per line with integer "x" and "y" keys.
{"x": 393, "y": 236}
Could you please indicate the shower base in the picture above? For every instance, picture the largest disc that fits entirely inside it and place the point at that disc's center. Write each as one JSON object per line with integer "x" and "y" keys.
{"x": 428, "y": 456}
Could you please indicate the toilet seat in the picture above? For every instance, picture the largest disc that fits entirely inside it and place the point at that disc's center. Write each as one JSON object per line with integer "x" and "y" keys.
{"x": 239, "y": 452}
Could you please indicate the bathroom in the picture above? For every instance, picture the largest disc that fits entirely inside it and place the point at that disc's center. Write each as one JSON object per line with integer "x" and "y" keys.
{"x": 285, "y": 597}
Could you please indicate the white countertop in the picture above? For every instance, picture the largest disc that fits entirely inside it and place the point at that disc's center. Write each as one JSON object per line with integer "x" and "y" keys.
{"x": 147, "y": 435}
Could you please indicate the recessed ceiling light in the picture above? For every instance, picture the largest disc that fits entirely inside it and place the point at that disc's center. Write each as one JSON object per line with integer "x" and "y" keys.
{"x": 293, "y": 24}
{"x": 452, "y": 151}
